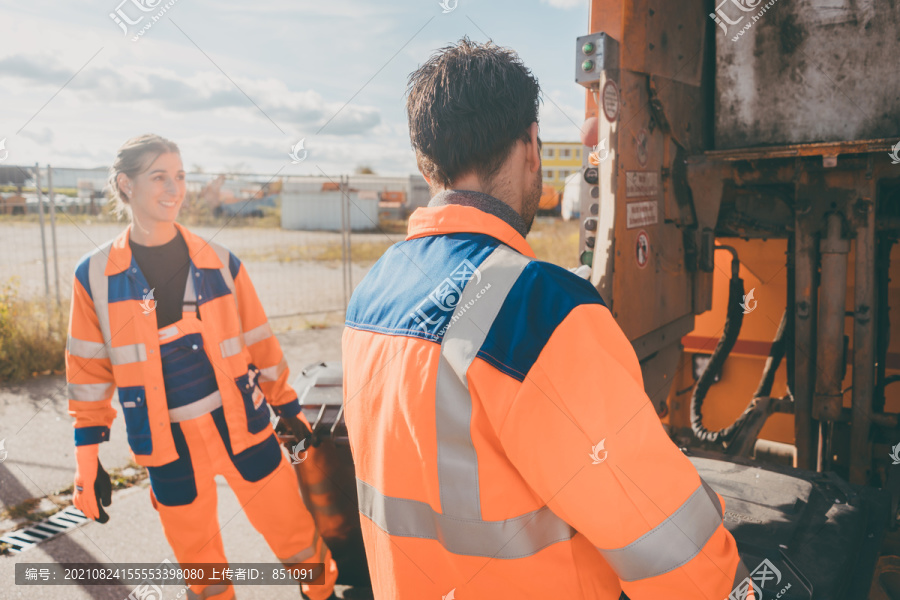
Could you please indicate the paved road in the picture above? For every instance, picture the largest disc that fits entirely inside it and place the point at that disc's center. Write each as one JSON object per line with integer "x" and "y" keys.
{"x": 38, "y": 430}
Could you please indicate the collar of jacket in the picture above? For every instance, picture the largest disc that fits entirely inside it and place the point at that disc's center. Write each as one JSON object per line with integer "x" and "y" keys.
{"x": 202, "y": 255}
{"x": 454, "y": 218}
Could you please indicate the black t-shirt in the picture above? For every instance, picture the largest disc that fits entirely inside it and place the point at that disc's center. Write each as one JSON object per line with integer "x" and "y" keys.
{"x": 166, "y": 269}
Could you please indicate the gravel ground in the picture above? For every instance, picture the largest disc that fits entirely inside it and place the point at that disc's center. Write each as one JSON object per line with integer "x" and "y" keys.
{"x": 285, "y": 288}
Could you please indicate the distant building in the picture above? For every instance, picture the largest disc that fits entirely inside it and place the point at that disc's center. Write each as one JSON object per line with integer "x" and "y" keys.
{"x": 560, "y": 159}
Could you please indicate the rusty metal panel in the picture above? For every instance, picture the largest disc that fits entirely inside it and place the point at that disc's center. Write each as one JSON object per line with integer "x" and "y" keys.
{"x": 651, "y": 286}
{"x": 675, "y": 39}
{"x": 801, "y": 71}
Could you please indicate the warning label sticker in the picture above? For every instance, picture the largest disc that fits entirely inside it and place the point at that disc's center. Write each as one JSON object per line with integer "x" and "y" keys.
{"x": 610, "y": 101}
{"x": 642, "y": 249}
{"x": 641, "y": 184}
{"x": 641, "y": 214}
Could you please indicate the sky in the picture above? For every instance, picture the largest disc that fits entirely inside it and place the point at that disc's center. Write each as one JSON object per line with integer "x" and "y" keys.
{"x": 238, "y": 84}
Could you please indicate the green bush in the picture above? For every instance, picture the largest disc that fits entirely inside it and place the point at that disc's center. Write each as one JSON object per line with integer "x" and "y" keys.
{"x": 32, "y": 342}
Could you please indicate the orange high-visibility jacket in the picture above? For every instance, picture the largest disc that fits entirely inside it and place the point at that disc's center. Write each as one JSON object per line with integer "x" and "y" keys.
{"x": 114, "y": 343}
{"x": 503, "y": 442}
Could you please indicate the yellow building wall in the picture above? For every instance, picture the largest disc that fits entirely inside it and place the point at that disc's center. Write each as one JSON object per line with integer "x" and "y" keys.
{"x": 557, "y": 165}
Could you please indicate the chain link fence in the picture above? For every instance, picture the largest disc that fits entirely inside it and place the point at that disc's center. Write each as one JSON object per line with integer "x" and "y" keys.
{"x": 305, "y": 241}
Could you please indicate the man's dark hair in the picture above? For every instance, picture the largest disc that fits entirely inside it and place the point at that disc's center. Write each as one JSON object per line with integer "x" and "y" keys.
{"x": 468, "y": 105}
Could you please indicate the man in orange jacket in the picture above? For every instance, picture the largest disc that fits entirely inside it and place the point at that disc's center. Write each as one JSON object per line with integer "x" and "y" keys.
{"x": 504, "y": 445}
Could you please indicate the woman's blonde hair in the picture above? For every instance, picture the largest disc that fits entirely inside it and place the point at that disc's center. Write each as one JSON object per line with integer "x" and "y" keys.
{"x": 133, "y": 158}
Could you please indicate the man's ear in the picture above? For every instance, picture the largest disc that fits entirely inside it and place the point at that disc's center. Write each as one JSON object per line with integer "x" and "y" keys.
{"x": 533, "y": 149}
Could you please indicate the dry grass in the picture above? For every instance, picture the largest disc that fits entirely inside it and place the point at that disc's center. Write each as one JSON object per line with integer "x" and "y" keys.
{"x": 362, "y": 253}
{"x": 304, "y": 322}
{"x": 32, "y": 340}
{"x": 556, "y": 241}
{"x": 552, "y": 239}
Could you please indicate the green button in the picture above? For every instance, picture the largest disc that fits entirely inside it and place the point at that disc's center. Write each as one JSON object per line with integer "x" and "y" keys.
{"x": 587, "y": 258}
{"x": 587, "y": 65}
{"x": 588, "y": 48}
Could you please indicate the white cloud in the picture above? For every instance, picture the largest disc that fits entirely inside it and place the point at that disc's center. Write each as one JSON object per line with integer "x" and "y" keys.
{"x": 566, "y": 3}
{"x": 560, "y": 120}
{"x": 164, "y": 90}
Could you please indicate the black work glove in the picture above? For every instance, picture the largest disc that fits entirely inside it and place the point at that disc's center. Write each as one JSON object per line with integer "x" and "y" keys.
{"x": 301, "y": 431}
{"x": 103, "y": 491}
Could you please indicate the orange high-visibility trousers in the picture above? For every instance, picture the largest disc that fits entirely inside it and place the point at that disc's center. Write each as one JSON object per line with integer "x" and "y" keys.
{"x": 272, "y": 504}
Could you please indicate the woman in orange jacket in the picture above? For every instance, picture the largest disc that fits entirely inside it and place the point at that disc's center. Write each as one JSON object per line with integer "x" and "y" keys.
{"x": 173, "y": 322}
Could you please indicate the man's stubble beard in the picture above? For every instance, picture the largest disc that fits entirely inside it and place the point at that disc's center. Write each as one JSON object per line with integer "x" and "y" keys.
{"x": 532, "y": 200}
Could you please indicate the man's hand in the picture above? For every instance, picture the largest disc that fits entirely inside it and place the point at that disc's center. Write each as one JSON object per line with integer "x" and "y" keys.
{"x": 91, "y": 482}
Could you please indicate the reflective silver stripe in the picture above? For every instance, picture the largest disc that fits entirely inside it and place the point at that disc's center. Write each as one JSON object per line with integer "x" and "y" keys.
{"x": 195, "y": 409}
{"x": 189, "y": 303}
{"x": 273, "y": 373}
{"x": 168, "y": 332}
{"x": 513, "y": 538}
{"x": 225, "y": 258}
{"x": 672, "y": 543}
{"x": 86, "y": 349}
{"x": 306, "y": 553}
{"x": 257, "y": 334}
{"x": 456, "y": 458}
{"x": 100, "y": 288}
{"x": 231, "y": 346}
{"x": 89, "y": 392}
{"x": 459, "y": 527}
{"x": 740, "y": 574}
{"x": 131, "y": 353}
{"x": 208, "y": 591}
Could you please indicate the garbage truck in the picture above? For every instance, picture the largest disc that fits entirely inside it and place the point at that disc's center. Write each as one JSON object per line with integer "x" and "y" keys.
{"x": 740, "y": 215}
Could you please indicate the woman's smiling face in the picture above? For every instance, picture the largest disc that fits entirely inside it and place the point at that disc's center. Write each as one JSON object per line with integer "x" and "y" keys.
{"x": 156, "y": 195}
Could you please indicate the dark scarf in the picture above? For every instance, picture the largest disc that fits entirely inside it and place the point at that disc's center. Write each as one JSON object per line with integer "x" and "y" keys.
{"x": 482, "y": 202}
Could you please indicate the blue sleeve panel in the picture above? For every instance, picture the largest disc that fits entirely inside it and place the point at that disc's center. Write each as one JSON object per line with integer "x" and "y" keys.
{"x": 289, "y": 409}
{"x": 234, "y": 264}
{"x": 538, "y": 302}
{"x": 81, "y": 274}
{"x": 413, "y": 289}
{"x": 88, "y": 436}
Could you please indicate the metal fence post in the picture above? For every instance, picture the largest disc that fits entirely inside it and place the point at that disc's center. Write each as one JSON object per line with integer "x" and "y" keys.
{"x": 40, "y": 207}
{"x": 345, "y": 255}
{"x": 53, "y": 232}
